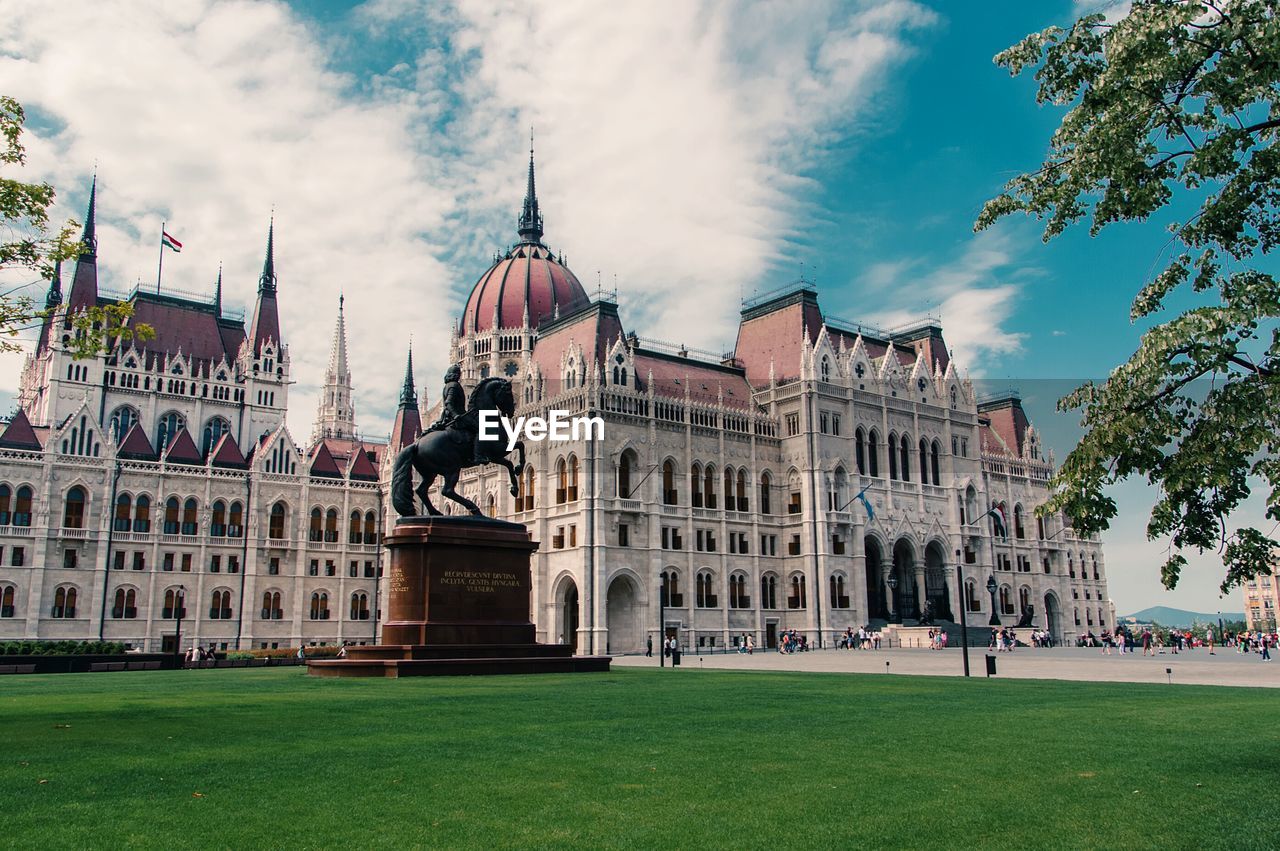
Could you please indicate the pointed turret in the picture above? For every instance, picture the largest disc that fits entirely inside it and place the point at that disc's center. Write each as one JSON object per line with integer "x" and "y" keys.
{"x": 84, "y": 284}
{"x": 266, "y": 314}
{"x": 336, "y": 415}
{"x": 408, "y": 424}
{"x": 51, "y": 301}
{"x": 217, "y": 293}
{"x": 530, "y": 226}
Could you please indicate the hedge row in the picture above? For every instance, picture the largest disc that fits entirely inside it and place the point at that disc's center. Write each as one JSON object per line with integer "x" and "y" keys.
{"x": 326, "y": 652}
{"x": 60, "y": 648}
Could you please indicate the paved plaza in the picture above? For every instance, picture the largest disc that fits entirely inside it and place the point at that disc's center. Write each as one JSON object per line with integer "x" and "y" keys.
{"x": 1196, "y": 667}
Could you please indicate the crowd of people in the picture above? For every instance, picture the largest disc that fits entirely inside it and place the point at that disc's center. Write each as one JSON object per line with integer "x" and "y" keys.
{"x": 1158, "y": 641}
{"x": 1003, "y": 640}
{"x": 864, "y": 639}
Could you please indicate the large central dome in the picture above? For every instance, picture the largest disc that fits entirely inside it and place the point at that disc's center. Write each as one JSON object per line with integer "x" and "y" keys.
{"x": 528, "y": 279}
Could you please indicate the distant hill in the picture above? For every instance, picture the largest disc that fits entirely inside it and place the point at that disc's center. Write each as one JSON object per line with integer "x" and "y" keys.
{"x": 1181, "y": 617}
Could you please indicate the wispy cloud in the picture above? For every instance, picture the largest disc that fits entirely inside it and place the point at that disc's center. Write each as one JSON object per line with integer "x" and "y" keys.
{"x": 677, "y": 145}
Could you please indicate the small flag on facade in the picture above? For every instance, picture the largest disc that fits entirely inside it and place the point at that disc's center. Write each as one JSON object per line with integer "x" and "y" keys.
{"x": 169, "y": 241}
{"x": 1001, "y": 522}
{"x": 866, "y": 503}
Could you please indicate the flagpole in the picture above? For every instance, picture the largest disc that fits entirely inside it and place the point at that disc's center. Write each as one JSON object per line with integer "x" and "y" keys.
{"x": 160, "y": 270}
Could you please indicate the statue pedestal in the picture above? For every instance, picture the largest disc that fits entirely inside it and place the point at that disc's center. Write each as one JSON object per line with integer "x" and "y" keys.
{"x": 457, "y": 603}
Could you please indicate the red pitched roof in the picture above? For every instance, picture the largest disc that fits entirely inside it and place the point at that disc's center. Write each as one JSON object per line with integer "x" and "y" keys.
{"x": 774, "y": 333}
{"x": 19, "y": 434}
{"x": 136, "y": 445}
{"x": 182, "y": 449}
{"x": 361, "y": 468}
{"x": 1006, "y": 419}
{"x": 672, "y": 376}
{"x": 322, "y": 463}
{"x": 407, "y": 427}
{"x": 188, "y": 327}
{"x": 227, "y": 453}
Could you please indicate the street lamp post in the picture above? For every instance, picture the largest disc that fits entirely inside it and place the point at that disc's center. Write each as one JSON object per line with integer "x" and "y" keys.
{"x": 662, "y": 620}
{"x": 892, "y": 582}
{"x": 991, "y": 589}
{"x": 964, "y": 604}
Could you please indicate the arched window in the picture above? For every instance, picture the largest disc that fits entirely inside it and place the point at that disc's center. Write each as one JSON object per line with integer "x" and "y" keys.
{"x": 218, "y": 525}
{"x": 709, "y": 479}
{"x": 6, "y": 497}
{"x": 142, "y": 514}
{"x": 190, "y": 521}
{"x": 624, "y": 474}
{"x": 271, "y": 610}
{"x": 122, "y": 521}
{"x": 924, "y": 461}
{"x": 971, "y": 596}
{"x": 742, "y": 490}
{"x": 706, "y": 591}
{"x": 213, "y": 432}
{"x": 873, "y": 454}
{"x": 695, "y": 485}
{"x": 172, "y": 515}
{"x": 766, "y": 482}
{"x": 235, "y": 521}
{"x": 738, "y": 598}
{"x": 825, "y": 370}
{"x": 174, "y": 605}
{"x": 170, "y": 424}
{"x": 839, "y": 594}
{"x": 320, "y": 606}
{"x": 730, "y": 501}
{"x": 860, "y": 450}
{"x": 562, "y": 481}
{"x": 1040, "y": 528}
{"x": 6, "y": 601}
{"x": 73, "y": 509}
{"x": 933, "y": 462}
{"x": 1006, "y": 600}
{"x": 527, "y": 492}
{"x": 125, "y": 604}
{"x": 1024, "y": 599}
{"x": 799, "y": 597}
{"x": 905, "y": 455}
{"x": 275, "y": 524}
{"x": 64, "y": 602}
{"x": 670, "y": 592}
{"x": 768, "y": 591}
{"x": 492, "y": 507}
{"x": 354, "y": 535}
{"x": 1019, "y": 531}
{"x": 893, "y": 455}
{"x": 1093, "y": 560}
{"x": 122, "y": 419}
{"x": 315, "y": 531}
{"x": 359, "y": 606}
{"x": 331, "y": 526}
{"x": 669, "y": 494}
{"x": 220, "y": 605}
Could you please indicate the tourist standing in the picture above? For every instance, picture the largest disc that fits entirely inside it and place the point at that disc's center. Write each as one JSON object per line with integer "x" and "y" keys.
{"x": 648, "y": 646}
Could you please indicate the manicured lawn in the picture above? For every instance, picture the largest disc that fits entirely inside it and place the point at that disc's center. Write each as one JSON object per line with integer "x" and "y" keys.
{"x": 635, "y": 758}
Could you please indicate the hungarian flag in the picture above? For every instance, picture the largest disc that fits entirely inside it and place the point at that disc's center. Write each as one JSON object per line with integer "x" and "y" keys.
{"x": 169, "y": 242}
{"x": 1001, "y": 522}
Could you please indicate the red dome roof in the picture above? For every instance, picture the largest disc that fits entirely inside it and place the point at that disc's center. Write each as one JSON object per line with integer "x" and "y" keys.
{"x": 529, "y": 275}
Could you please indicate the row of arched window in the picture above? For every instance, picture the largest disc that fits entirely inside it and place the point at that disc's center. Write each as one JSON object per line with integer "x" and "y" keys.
{"x": 123, "y": 418}
{"x": 702, "y": 485}
{"x": 361, "y": 528}
{"x": 897, "y": 451}
{"x": 64, "y": 601}
{"x": 15, "y": 507}
{"x": 706, "y": 596}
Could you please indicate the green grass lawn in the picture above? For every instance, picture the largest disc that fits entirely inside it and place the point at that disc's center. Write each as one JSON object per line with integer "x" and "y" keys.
{"x": 634, "y": 758}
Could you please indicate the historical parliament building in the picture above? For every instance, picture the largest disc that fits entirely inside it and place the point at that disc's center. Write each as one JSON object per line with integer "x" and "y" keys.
{"x": 822, "y": 475}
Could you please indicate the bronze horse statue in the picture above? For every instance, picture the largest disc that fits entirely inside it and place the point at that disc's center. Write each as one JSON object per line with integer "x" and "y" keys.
{"x": 450, "y": 450}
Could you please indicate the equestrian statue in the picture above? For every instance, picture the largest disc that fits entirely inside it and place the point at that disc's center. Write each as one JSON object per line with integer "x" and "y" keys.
{"x": 453, "y": 444}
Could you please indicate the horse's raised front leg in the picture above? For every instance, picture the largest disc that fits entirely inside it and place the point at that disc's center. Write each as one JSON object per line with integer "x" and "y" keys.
{"x": 447, "y": 490}
{"x": 511, "y": 474}
{"x": 423, "y": 494}
{"x": 520, "y": 464}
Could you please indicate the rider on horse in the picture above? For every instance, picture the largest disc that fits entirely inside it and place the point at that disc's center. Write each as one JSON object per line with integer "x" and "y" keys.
{"x": 452, "y": 414}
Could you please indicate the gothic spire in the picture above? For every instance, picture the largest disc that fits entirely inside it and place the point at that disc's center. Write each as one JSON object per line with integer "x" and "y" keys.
{"x": 530, "y": 226}
{"x": 217, "y": 294}
{"x": 54, "y": 298}
{"x": 267, "y": 283}
{"x": 408, "y": 396}
{"x": 336, "y": 415}
{"x": 90, "y": 237}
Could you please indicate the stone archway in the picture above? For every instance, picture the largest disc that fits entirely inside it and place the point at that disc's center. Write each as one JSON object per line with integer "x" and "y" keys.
{"x": 567, "y": 614}
{"x": 622, "y": 610}
{"x": 906, "y": 599}
{"x": 936, "y": 589}
{"x": 1053, "y": 617}
{"x": 877, "y": 605}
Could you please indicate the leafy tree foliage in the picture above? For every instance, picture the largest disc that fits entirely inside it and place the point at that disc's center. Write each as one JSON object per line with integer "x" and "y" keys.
{"x": 29, "y": 245}
{"x": 1175, "y": 100}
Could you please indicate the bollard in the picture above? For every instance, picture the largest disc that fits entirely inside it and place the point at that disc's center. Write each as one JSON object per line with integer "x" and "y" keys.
{"x": 991, "y": 665}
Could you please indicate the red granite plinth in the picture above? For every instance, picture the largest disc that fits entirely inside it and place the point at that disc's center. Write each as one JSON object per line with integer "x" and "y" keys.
{"x": 457, "y": 603}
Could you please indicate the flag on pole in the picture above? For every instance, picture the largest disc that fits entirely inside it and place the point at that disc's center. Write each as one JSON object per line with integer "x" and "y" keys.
{"x": 866, "y": 503}
{"x": 1001, "y": 522}
{"x": 169, "y": 242}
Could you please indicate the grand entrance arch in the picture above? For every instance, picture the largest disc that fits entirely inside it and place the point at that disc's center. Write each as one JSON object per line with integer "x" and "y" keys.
{"x": 1053, "y": 617}
{"x": 877, "y": 606}
{"x": 935, "y": 581}
{"x": 567, "y": 614}
{"x": 622, "y": 608}
{"x": 905, "y": 600}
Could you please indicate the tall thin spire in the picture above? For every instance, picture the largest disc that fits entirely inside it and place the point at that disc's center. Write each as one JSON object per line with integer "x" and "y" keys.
{"x": 217, "y": 292}
{"x": 54, "y": 297}
{"x": 408, "y": 395}
{"x": 530, "y": 225}
{"x": 267, "y": 283}
{"x": 336, "y": 414}
{"x": 90, "y": 235}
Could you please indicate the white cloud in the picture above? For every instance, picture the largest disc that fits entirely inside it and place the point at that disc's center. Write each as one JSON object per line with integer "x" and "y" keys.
{"x": 676, "y": 143}
{"x": 974, "y": 294}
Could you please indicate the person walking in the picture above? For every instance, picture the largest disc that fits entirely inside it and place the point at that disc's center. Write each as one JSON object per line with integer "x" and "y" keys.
{"x": 1266, "y": 644}
{"x": 648, "y": 646}
{"x": 751, "y": 645}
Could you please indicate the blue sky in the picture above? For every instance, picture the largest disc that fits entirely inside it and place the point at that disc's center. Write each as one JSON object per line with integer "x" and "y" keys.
{"x": 693, "y": 152}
